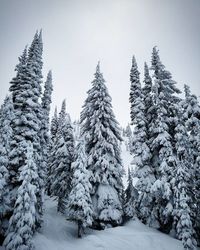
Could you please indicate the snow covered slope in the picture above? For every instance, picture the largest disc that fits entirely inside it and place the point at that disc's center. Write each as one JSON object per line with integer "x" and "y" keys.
{"x": 59, "y": 234}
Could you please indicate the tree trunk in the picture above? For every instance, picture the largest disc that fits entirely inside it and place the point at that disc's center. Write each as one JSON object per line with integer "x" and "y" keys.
{"x": 80, "y": 229}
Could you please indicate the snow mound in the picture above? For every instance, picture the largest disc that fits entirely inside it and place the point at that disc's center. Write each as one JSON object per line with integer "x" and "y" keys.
{"x": 59, "y": 234}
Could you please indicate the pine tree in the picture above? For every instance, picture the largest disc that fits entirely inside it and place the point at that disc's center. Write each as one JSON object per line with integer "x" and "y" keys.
{"x": 102, "y": 134}
{"x": 51, "y": 157}
{"x": 45, "y": 139}
{"x": 182, "y": 192}
{"x": 6, "y": 117}
{"x": 131, "y": 195}
{"x": 62, "y": 155}
{"x": 140, "y": 148}
{"x": 191, "y": 116}
{"x": 79, "y": 202}
{"x": 26, "y": 90}
{"x": 162, "y": 140}
{"x": 22, "y": 222}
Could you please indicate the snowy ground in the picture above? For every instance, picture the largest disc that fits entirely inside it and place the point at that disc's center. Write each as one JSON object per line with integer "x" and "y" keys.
{"x": 59, "y": 234}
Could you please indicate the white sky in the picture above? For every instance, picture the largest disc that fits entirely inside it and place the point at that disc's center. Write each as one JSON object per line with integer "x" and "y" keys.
{"x": 78, "y": 33}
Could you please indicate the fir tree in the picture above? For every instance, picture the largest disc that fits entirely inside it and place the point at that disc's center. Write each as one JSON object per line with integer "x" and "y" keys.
{"x": 22, "y": 222}
{"x": 182, "y": 192}
{"x": 79, "y": 202}
{"x": 162, "y": 140}
{"x": 51, "y": 157}
{"x": 45, "y": 140}
{"x": 191, "y": 116}
{"x": 26, "y": 90}
{"x": 131, "y": 195}
{"x": 140, "y": 147}
{"x": 6, "y": 117}
{"x": 102, "y": 135}
{"x": 62, "y": 155}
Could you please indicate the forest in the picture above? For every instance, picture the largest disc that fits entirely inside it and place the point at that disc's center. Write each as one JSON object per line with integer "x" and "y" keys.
{"x": 83, "y": 171}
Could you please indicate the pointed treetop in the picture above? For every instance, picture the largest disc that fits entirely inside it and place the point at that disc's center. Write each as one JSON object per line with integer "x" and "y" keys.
{"x": 98, "y": 67}
{"x": 63, "y": 108}
{"x": 187, "y": 91}
{"x": 134, "y": 74}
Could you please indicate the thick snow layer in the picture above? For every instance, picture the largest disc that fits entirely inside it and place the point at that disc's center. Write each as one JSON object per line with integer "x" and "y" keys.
{"x": 59, "y": 234}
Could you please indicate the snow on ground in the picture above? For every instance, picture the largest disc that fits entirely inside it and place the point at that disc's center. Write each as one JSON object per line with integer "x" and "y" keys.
{"x": 59, "y": 234}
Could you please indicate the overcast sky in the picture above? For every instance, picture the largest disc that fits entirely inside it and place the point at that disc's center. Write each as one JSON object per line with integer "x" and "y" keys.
{"x": 78, "y": 33}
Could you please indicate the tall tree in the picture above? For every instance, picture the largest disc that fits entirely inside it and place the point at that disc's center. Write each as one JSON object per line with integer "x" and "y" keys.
{"x": 26, "y": 90}
{"x": 6, "y": 117}
{"x": 44, "y": 131}
{"x": 79, "y": 202}
{"x": 22, "y": 222}
{"x": 140, "y": 148}
{"x": 102, "y": 134}
{"x": 162, "y": 139}
{"x": 191, "y": 116}
{"x": 63, "y": 153}
{"x": 51, "y": 157}
{"x": 183, "y": 194}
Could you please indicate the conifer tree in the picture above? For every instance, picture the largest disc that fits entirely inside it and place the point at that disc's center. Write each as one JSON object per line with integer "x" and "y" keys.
{"x": 102, "y": 134}
{"x": 140, "y": 148}
{"x": 182, "y": 192}
{"x": 22, "y": 222}
{"x": 79, "y": 202}
{"x": 162, "y": 140}
{"x": 26, "y": 90}
{"x": 62, "y": 155}
{"x": 131, "y": 195}
{"x": 6, "y": 117}
{"x": 191, "y": 116}
{"x": 45, "y": 139}
{"x": 51, "y": 157}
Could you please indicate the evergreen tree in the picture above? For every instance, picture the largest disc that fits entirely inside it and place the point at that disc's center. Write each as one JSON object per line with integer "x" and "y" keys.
{"x": 79, "y": 202}
{"x": 22, "y": 222}
{"x": 51, "y": 157}
{"x": 162, "y": 140}
{"x": 182, "y": 192}
{"x": 131, "y": 195}
{"x": 140, "y": 147}
{"x": 6, "y": 117}
{"x": 102, "y": 134}
{"x": 62, "y": 154}
{"x": 191, "y": 116}
{"x": 45, "y": 140}
{"x": 26, "y": 90}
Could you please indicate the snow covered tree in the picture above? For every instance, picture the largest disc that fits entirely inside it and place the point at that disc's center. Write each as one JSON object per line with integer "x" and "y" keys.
{"x": 51, "y": 156}
{"x": 102, "y": 135}
{"x": 147, "y": 94}
{"x": 54, "y": 125}
{"x": 181, "y": 186}
{"x": 26, "y": 90}
{"x": 62, "y": 155}
{"x": 79, "y": 202}
{"x": 191, "y": 116}
{"x": 140, "y": 148}
{"x": 131, "y": 196}
{"x": 162, "y": 140}
{"x": 44, "y": 131}
{"x": 6, "y": 117}
{"x": 22, "y": 222}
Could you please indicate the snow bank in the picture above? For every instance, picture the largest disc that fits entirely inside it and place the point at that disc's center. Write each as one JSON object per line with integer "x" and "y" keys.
{"x": 59, "y": 234}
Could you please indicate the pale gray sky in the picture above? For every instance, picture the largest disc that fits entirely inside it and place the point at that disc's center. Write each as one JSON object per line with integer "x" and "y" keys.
{"x": 78, "y": 33}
